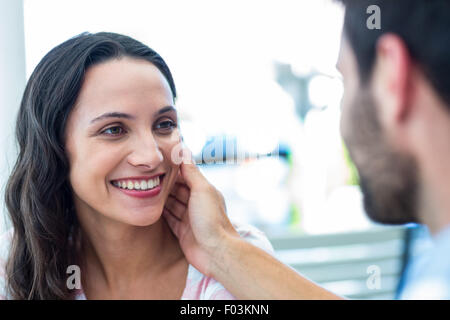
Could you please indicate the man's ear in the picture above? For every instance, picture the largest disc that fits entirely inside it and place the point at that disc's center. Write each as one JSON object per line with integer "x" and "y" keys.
{"x": 392, "y": 81}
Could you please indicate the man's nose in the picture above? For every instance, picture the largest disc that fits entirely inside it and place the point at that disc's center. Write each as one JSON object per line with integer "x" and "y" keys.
{"x": 146, "y": 152}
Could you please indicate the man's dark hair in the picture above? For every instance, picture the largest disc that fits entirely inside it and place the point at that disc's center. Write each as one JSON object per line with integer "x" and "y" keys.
{"x": 424, "y": 26}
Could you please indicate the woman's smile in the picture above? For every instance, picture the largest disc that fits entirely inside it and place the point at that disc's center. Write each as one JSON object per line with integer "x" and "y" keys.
{"x": 140, "y": 187}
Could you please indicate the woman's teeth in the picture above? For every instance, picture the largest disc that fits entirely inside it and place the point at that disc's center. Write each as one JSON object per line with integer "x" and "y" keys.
{"x": 136, "y": 185}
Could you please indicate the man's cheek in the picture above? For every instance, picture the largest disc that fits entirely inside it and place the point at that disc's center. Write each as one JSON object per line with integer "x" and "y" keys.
{"x": 344, "y": 117}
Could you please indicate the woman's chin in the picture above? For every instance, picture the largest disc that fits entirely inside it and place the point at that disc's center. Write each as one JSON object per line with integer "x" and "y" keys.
{"x": 142, "y": 218}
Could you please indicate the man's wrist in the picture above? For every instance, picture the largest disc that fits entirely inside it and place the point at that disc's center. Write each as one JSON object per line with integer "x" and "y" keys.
{"x": 226, "y": 251}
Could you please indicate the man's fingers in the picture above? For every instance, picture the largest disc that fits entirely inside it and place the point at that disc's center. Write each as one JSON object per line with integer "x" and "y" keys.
{"x": 173, "y": 222}
{"x": 181, "y": 193}
{"x": 179, "y": 178}
{"x": 190, "y": 172}
{"x": 175, "y": 207}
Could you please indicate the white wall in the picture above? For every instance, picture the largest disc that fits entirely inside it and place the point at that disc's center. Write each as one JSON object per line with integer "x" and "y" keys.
{"x": 12, "y": 84}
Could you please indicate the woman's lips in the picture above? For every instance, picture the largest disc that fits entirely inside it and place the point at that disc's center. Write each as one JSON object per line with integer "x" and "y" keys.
{"x": 143, "y": 193}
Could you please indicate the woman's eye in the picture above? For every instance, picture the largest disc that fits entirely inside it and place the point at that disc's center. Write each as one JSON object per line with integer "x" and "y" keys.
{"x": 114, "y": 131}
{"x": 166, "y": 126}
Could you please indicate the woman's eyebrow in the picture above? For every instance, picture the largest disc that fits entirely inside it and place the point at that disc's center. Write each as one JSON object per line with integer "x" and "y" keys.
{"x": 165, "y": 109}
{"x": 129, "y": 116}
{"x": 113, "y": 115}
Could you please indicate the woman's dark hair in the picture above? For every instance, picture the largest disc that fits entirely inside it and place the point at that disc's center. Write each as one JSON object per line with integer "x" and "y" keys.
{"x": 424, "y": 26}
{"x": 38, "y": 193}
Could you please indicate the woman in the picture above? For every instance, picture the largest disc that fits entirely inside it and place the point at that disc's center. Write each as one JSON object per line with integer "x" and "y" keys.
{"x": 96, "y": 129}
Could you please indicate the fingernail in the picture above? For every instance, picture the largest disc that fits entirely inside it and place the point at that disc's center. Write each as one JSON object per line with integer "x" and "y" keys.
{"x": 188, "y": 158}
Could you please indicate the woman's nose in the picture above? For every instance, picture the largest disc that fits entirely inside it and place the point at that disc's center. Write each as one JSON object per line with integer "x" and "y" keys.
{"x": 146, "y": 153}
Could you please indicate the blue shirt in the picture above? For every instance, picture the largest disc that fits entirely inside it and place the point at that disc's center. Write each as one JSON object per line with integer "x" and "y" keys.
{"x": 428, "y": 275}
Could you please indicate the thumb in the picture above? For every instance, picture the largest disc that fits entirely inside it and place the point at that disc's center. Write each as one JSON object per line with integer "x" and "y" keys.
{"x": 189, "y": 171}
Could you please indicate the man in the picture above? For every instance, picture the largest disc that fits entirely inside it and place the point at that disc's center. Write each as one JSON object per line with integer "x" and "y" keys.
{"x": 396, "y": 124}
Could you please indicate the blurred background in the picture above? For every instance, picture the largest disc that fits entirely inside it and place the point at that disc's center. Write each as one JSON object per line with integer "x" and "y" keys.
{"x": 259, "y": 99}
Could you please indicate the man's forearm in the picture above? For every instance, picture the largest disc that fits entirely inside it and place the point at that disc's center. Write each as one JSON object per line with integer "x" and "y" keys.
{"x": 249, "y": 272}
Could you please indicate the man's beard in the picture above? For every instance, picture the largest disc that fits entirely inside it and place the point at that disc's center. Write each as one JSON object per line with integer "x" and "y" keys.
{"x": 388, "y": 179}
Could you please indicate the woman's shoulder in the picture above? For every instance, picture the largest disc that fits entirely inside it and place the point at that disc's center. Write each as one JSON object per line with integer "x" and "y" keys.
{"x": 254, "y": 236}
{"x": 201, "y": 287}
{"x": 5, "y": 242}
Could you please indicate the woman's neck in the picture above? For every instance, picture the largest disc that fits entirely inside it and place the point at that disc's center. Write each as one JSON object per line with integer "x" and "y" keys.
{"x": 122, "y": 256}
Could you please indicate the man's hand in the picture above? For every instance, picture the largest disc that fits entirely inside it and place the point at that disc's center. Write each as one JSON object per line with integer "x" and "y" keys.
{"x": 196, "y": 213}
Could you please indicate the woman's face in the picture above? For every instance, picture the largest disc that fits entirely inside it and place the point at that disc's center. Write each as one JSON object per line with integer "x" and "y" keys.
{"x": 119, "y": 140}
